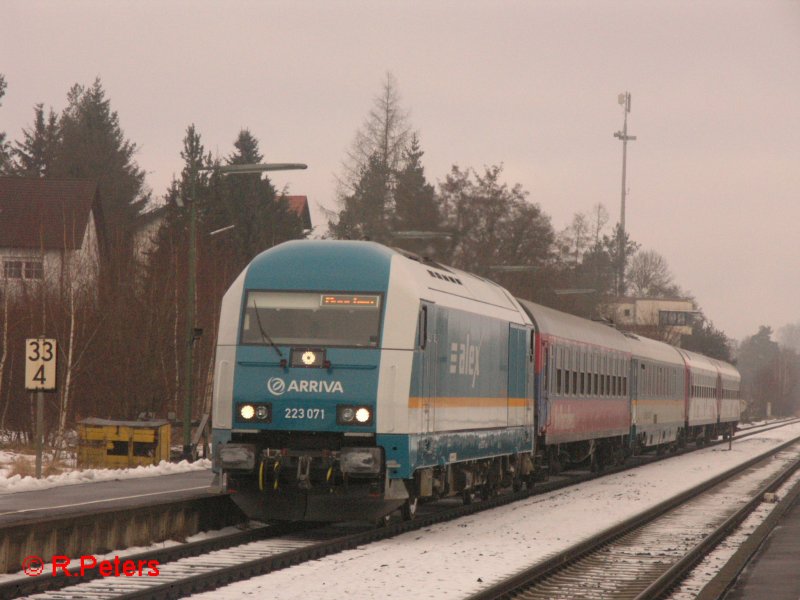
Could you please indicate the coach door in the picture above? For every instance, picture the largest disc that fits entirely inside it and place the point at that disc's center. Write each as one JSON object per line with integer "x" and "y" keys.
{"x": 426, "y": 348}
{"x": 520, "y": 376}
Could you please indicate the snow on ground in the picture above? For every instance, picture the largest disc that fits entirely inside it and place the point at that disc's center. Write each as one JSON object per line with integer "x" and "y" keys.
{"x": 17, "y": 483}
{"x": 455, "y": 559}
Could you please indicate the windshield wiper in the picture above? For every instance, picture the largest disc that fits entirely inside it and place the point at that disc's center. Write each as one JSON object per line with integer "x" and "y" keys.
{"x": 264, "y": 335}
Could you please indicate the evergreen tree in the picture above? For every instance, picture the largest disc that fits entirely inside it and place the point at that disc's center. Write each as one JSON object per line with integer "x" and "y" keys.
{"x": 416, "y": 207}
{"x": 492, "y": 224}
{"x": 259, "y": 214}
{"x": 35, "y": 154}
{"x": 365, "y": 214}
{"x": 758, "y": 359}
{"x": 93, "y": 146}
{"x": 707, "y": 339}
{"x": 4, "y": 152}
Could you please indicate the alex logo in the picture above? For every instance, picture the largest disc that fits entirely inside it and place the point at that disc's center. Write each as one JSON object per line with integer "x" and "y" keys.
{"x": 465, "y": 359}
{"x": 277, "y": 386}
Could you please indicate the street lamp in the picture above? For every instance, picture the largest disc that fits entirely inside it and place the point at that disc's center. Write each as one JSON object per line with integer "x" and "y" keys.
{"x": 625, "y": 102}
{"x": 191, "y": 330}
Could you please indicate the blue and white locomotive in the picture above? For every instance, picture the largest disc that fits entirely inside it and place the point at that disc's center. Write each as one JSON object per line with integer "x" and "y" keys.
{"x": 352, "y": 379}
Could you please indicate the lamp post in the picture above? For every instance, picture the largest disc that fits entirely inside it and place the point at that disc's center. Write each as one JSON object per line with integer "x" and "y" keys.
{"x": 625, "y": 102}
{"x": 192, "y": 332}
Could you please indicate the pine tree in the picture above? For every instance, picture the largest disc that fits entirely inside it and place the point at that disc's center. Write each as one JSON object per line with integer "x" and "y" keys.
{"x": 261, "y": 218}
{"x": 366, "y": 214}
{"x": 416, "y": 207}
{"x": 93, "y": 146}
{"x": 35, "y": 154}
{"x": 4, "y": 152}
{"x": 493, "y": 225}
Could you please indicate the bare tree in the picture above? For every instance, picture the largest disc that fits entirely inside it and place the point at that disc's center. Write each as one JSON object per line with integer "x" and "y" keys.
{"x": 573, "y": 240}
{"x": 598, "y": 220}
{"x": 4, "y": 346}
{"x": 385, "y": 133}
{"x": 649, "y": 275}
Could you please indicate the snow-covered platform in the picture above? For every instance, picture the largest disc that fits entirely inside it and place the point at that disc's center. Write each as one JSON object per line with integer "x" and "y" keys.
{"x": 65, "y": 516}
{"x": 125, "y": 492}
{"x": 773, "y": 573}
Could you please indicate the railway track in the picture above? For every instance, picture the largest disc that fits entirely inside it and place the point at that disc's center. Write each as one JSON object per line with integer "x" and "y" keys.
{"x": 647, "y": 555}
{"x": 205, "y": 565}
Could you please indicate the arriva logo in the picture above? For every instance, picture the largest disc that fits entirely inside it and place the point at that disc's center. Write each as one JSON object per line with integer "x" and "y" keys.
{"x": 277, "y": 386}
{"x": 465, "y": 359}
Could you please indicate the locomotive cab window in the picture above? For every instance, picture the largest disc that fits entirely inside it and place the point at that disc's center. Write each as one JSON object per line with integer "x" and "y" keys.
{"x": 312, "y": 318}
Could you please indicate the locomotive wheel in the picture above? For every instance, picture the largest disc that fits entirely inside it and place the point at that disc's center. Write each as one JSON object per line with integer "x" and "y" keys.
{"x": 488, "y": 492}
{"x": 383, "y": 521}
{"x": 409, "y": 510}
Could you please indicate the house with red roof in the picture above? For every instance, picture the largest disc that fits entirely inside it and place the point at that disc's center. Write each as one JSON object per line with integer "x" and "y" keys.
{"x": 299, "y": 206}
{"x": 49, "y": 233}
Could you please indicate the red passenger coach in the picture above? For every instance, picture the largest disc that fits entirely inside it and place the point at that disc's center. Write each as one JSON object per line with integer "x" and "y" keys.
{"x": 583, "y": 397}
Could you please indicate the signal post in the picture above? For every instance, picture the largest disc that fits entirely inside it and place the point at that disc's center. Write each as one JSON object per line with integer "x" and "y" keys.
{"x": 40, "y": 377}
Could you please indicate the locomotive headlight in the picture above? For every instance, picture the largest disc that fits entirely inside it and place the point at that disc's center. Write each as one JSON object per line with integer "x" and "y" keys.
{"x": 353, "y": 415}
{"x": 253, "y": 412}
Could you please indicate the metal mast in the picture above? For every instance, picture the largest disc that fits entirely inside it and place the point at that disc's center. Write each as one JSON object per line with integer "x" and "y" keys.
{"x": 625, "y": 102}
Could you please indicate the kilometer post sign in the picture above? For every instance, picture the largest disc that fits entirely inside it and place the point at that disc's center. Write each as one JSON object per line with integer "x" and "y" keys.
{"x": 40, "y": 364}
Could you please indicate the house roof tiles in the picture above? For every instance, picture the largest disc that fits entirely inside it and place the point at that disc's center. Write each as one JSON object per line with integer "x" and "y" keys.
{"x": 46, "y": 214}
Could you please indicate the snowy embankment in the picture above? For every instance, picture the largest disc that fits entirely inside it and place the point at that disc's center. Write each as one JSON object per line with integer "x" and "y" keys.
{"x": 18, "y": 483}
{"x": 456, "y": 559}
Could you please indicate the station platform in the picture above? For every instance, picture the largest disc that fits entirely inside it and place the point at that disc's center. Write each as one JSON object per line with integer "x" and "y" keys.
{"x": 79, "y": 499}
{"x": 774, "y": 571}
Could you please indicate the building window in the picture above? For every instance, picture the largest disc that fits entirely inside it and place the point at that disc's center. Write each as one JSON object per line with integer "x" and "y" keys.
{"x": 23, "y": 269}
{"x": 33, "y": 269}
{"x": 627, "y": 312}
{"x": 677, "y": 318}
{"x": 12, "y": 269}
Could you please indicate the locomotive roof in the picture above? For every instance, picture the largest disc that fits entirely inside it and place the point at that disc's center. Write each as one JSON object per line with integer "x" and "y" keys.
{"x": 555, "y": 323}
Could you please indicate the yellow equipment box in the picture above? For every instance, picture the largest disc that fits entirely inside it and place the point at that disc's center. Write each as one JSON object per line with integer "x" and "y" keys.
{"x": 103, "y": 443}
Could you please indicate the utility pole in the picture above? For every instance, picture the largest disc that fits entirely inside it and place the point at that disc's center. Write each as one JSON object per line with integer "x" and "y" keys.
{"x": 192, "y": 331}
{"x": 625, "y": 102}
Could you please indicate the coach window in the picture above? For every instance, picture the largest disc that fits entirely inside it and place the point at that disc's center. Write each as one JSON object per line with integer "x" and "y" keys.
{"x": 596, "y": 364}
{"x": 658, "y": 383}
{"x": 602, "y": 379}
{"x": 582, "y": 387}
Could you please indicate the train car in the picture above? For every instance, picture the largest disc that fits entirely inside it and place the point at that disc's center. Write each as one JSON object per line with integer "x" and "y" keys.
{"x": 658, "y": 399}
{"x": 702, "y": 407}
{"x": 352, "y": 379}
{"x": 728, "y": 384}
{"x": 583, "y": 404}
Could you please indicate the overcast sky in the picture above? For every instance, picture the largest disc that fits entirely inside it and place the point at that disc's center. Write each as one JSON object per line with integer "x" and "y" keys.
{"x": 713, "y": 178}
